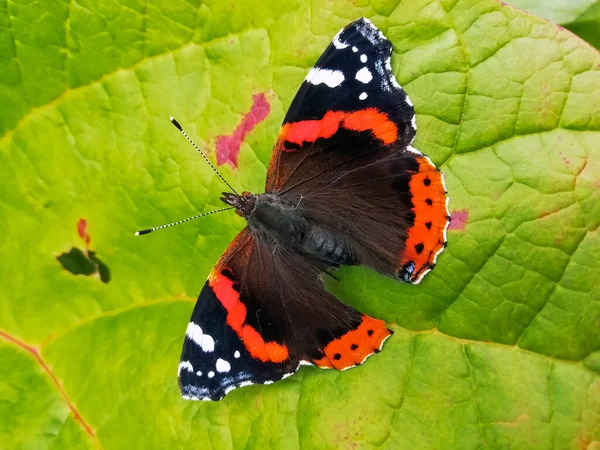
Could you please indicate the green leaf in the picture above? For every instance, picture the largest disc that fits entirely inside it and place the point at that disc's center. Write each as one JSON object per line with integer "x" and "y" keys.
{"x": 498, "y": 347}
{"x": 558, "y": 11}
{"x": 587, "y": 24}
{"x": 582, "y": 17}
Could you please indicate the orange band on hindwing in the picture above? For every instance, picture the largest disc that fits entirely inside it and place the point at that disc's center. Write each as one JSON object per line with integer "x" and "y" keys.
{"x": 356, "y": 345}
{"x": 427, "y": 237}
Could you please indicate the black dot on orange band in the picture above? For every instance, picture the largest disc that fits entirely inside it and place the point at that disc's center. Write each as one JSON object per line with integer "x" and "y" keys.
{"x": 419, "y": 248}
{"x": 426, "y": 181}
{"x": 353, "y": 347}
{"x": 370, "y": 332}
{"x": 428, "y": 225}
{"x": 337, "y": 356}
{"x": 429, "y": 202}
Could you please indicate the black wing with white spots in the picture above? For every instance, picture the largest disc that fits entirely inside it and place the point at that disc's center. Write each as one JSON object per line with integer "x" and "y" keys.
{"x": 345, "y": 105}
{"x": 354, "y": 73}
{"x": 215, "y": 361}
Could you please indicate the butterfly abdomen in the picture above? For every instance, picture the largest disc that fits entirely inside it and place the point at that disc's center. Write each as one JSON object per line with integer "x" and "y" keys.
{"x": 286, "y": 226}
{"x": 327, "y": 246}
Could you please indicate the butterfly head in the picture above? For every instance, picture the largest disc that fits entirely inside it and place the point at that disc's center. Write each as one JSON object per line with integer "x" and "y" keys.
{"x": 244, "y": 204}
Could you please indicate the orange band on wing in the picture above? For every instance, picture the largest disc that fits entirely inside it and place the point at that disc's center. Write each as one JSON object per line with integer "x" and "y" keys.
{"x": 427, "y": 237}
{"x": 236, "y": 319}
{"x": 375, "y": 121}
{"x": 355, "y": 346}
{"x": 369, "y": 119}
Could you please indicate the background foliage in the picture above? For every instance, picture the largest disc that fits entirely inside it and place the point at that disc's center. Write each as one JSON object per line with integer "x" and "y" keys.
{"x": 499, "y": 347}
{"x": 582, "y": 17}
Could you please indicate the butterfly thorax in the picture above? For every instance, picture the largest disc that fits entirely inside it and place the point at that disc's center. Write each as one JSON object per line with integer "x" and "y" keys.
{"x": 286, "y": 226}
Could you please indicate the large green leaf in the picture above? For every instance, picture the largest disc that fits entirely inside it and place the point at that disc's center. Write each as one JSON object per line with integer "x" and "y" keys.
{"x": 582, "y": 17}
{"x": 499, "y": 347}
{"x": 558, "y": 11}
{"x": 587, "y": 25}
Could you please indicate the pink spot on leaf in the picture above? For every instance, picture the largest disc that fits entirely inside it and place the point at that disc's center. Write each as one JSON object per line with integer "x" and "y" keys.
{"x": 228, "y": 146}
{"x": 82, "y": 231}
{"x": 459, "y": 219}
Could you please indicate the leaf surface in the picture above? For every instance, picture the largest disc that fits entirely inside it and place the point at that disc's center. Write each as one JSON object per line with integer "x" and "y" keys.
{"x": 582, "y": 17}
{"x": 500, "y": 344}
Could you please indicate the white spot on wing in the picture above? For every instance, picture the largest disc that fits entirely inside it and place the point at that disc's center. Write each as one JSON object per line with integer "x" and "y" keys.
{"x": 363, "y": 58}
{"x": 236, "y": 354}
{"x": 199, "y": 373}
{"x": 354, "y": 49}
{"x": 185, "y": 365}
{"x": 363, "y": 96}
{"x": 194, "y": 332}
{"x": 331, "y": 78}
{"x": 223, "y": 366}
{"x": 208, "y": 343}
{"x": 211, "y": 374}
{"x": 408, "y": 101}
{"x": 364, "y": 75}
{"x": 413, "y": 122}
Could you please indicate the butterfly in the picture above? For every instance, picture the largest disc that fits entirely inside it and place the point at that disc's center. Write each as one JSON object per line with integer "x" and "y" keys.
{"x": 344, "y": 187}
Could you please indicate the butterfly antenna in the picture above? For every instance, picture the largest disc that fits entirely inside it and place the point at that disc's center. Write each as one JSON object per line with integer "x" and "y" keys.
{"x": 174, "y": 122}
{"x": 150, "y": 230}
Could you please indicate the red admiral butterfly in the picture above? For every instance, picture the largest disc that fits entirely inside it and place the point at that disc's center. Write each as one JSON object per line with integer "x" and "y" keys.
{"x": 344, "y": 187}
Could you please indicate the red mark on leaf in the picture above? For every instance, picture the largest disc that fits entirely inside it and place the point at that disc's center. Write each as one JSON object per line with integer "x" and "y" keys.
{"x": 82, "y": 231}
{"x": 35, "y": 353}
{"x": 459, "y": 219}
{"x": 228, "y": 147}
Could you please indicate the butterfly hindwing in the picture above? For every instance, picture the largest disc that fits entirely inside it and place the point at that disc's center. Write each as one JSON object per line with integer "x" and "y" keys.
{"x": 255, "y": 323}
{"x": 215, "y": 360}
{"x": 222, "y": 349}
